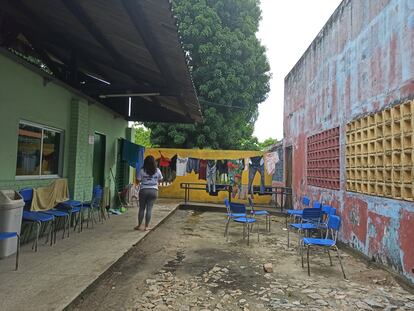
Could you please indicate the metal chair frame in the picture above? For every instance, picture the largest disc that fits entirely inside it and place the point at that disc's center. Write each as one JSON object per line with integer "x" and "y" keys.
{"x": 334, "y": 223}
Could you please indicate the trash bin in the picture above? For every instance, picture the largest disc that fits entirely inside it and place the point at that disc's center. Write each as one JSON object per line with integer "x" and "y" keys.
{"x": 11, "y": 210}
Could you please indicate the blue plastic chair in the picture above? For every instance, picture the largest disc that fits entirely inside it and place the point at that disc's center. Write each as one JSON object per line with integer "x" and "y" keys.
{"x": 27, "y": 194}
{"x": 36, "y": 218}
{"x": 327, "y": 211}
{"x": 93, "y": 206}
{"x": 311, "y": 219}
{"x": 329, "y": 242}
{"x": 233, "y": 212}
{"x": 294, "y": 213}
{"x": 257, "y": 213}
{"x": 72, "y": 207}
{"x": 9, "y": 235}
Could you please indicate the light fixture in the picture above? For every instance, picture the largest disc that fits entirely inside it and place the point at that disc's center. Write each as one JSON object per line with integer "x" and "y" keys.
{"x": 129, "y": 95}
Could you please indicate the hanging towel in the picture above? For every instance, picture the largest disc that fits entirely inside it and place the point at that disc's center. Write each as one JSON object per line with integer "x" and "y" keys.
{"x": 271, "y": 159}
{"x": 181, "y": 166}
{"x": 45, "y": 198}
{"x": 132, "y": 153}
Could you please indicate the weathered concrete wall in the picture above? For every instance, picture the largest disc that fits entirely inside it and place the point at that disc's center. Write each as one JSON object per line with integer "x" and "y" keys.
{"x": 361, "y": 62}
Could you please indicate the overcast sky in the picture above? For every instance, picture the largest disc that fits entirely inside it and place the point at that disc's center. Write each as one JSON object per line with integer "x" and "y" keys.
{"x": 287, "y": 29}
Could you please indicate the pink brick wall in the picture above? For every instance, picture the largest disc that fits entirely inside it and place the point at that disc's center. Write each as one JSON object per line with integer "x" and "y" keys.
{"x": 362, "y": 61}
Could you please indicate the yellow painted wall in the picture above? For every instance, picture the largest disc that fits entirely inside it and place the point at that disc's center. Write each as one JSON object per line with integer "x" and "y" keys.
{"x": 174, "y": 190}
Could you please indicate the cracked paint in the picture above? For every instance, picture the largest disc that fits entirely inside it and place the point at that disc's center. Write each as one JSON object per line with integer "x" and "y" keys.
{"x": 361, "y": 62}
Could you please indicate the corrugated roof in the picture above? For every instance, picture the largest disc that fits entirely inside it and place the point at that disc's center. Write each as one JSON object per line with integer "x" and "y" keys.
{"x": 109, "y": 50}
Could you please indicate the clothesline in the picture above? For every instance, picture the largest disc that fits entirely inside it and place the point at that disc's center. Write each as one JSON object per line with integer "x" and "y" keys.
{"x": 227, "y": 171}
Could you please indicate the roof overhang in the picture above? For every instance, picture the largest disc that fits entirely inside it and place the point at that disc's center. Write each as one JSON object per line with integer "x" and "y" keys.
{"x": 116, "y": 52}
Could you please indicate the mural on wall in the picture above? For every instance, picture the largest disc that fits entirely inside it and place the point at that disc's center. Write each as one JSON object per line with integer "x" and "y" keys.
{"x": 323, "y": 159}
{"x": 379, "y": 153}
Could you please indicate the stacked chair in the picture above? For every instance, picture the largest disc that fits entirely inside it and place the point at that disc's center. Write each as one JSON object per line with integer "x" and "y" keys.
{"x": 320, "y": 220}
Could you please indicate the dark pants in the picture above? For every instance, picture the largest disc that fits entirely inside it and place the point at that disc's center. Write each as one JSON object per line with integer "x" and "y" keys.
{"x": 252, "y": 172}
{"x": 147, "y": 198}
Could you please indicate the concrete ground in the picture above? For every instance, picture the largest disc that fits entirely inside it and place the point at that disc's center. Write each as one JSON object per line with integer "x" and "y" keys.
{"x": 186, "y": 264}
{"x": 51, "y": 278}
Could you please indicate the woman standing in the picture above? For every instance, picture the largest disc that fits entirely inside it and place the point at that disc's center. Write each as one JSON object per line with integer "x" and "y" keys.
{"x": 148, "y": 178}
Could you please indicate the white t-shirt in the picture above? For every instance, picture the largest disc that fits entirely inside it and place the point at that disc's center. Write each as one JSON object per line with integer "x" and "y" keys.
{"x": 149, "y": 181}
{"x": 181, "y": 167}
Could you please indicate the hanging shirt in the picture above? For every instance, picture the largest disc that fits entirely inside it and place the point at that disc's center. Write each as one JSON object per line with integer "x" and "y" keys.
{"x": 181, "y": 166}
{"x": 271, "y": 159}
{"x": 164, "y": 162}
{"x": 149, "y": 181}
{"x": 202, "y": 169}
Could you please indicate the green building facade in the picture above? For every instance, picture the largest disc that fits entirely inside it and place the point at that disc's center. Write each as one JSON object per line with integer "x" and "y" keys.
{"x": 29, "y": 99}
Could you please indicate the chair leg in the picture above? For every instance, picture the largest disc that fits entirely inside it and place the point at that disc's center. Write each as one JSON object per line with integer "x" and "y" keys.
{"x": 288, "y": 234}
{"x": 330, "y": 259}
{"x": 18, "y": 252}
{"x": 301, "y": 251}
{"x": 75, "y": 221}
{"x": 64, "y": 227}
{"x": 258, "y": 229}
{"x": 68, "y": 223}
{"x": 340, "y": 261}
{"x": 307, "y": 258}
{"x": 81, "y": 219}
{"x": 227, "y": 231}
{"x": 248, "y": 235}
{"x": 300, "y": 236}
{"x": 50, "y": 233}
{"x": 226, "y": 227}
{"x": 268, "y": 222}
{"x": 80, "y": 216}
{"x": 37, "y": 235}
{"x": 89, "y": 216}
{"x": 55, "y": 230}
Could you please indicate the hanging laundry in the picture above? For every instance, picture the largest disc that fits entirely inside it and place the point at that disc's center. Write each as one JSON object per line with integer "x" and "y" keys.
{"x": 181, "y": 166}
{"x": 202, "y": 169}
{"x": 270, "y": 160}
{"x": 132, "y": 153}
{"x": 235, "y": 170}
{"x": 242, "y": 195}
{"x": 256, "y": 164}
{"x": 192, "y": 165}
{"x": 164, "y": 164}
{"x": 222, "y": 171}
{"x": 173, "y": 163}
{"x": 246, "y": 163}
{"x": 211, "y": 175}
{"x": 164, "y": 161}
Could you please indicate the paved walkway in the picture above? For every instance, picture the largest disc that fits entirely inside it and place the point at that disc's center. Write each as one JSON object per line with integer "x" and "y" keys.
{"x": 51, "y": 278}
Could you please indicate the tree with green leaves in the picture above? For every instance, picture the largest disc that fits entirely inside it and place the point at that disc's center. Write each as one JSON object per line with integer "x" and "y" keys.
{"x": 230, "y": 72}
{"x": 142, "y": 135}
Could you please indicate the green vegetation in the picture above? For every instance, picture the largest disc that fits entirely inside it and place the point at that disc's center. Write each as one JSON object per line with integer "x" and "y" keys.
{"x": 142, "y": 135}
{"x": 230, "y": 72}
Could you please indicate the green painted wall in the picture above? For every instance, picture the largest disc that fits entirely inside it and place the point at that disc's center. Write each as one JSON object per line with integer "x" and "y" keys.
{"x": 24, "y": 96}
